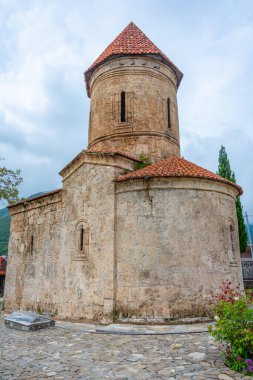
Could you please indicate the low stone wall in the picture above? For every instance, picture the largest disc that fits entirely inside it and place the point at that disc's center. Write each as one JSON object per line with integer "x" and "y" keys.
{"x": 247, "y": 271}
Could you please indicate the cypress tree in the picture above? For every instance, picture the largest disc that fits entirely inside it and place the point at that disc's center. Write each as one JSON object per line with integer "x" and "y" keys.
{"x": 224, "y": 170}
{"x": 243, "y": 238}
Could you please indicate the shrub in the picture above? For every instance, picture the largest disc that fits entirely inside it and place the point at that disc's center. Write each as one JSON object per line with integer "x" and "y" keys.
{"x": 249, "y": 295}
{"x": 143, "y": 162}
{"x": 234, "y": 328}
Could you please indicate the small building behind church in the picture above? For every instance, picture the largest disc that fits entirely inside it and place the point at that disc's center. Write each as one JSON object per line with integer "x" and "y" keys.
{"x": 3, "y": 265}
{"x": 116, "y": 242}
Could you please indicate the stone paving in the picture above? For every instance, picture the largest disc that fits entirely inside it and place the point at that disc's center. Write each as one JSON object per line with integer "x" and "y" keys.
{"x": 66, "y": 352}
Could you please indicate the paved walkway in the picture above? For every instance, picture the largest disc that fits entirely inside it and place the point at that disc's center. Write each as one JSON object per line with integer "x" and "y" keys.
{"x": 67, "y": 352}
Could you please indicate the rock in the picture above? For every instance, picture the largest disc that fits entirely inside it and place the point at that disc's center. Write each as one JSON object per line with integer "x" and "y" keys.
{"x": 197, "y": 356}
{"x": 176, "y": 346}
{"x": 223, "y": 376}
{"x": 138, "y": 356}
{"x": 180, "y": 368}
{"x": 133, "y": 370}
{"x": 165, "y": 372}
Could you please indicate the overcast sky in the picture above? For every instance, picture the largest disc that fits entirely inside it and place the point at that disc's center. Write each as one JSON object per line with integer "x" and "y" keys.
{"x": 46, "y": 45}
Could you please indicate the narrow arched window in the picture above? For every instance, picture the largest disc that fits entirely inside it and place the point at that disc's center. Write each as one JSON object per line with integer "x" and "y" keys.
{"x": 232, "y": 237}
{"x": 232, "y": 241}
{"x": 123, "y": 107}
{"x": 31, "y": 245}
{"x": 81, "y": 238}
{"x": 168, "y": 113}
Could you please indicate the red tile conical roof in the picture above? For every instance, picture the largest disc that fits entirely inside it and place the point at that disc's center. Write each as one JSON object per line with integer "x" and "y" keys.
{"x": 131, "y": 41}
{"x": 176, "y": 167}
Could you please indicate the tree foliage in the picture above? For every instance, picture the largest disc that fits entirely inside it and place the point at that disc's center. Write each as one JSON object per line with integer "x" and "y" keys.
{"x": 243, "y": 238}
{"x": 224, "y": 170}
{"x": 9, "y": 181}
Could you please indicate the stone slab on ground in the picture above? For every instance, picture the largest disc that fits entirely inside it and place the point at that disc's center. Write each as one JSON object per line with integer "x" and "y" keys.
{"x": 27, "y": 321}
{"x": 136, "y": 329}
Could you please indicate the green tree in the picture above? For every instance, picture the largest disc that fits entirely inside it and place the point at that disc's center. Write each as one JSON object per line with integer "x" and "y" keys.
{"x": 243, "y": 238}
{"x": 224, "y": 170}
{"x": 9, "y": 181}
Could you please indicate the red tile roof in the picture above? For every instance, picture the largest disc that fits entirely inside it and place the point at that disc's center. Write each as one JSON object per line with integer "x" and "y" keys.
{"x": 176, "y": 167}
{"x": 131, "y": 41}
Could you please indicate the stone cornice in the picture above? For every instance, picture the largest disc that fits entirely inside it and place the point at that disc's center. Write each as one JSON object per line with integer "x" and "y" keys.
{"x": 115, "y": 159}
{"x": 169, "y": 136}
{"x": 143, "y": 64}
{"x": 36, "y": 202}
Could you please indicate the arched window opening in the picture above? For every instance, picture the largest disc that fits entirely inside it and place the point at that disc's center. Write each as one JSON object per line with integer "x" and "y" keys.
{"x": 168, "y": 113}
{"x": 81, "y": 238}
{"x": 31, "y": 245}
{"x": 123, "y": 107}
{"x": 232, "y": 241}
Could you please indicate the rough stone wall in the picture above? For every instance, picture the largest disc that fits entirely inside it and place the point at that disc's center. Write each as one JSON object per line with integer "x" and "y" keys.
{"x": 32, "y": 279}
{"x": 60, "y": 277}
{"x": 176, "y": 241}
{"x": 89, "y": 198}
{"x": 147, "y": 84}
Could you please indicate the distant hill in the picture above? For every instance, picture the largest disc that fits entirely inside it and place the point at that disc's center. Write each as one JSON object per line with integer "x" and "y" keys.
{"x": 251, "y": 232}
{"x": 5, "y": 227}
{"x": 4, "y": 231}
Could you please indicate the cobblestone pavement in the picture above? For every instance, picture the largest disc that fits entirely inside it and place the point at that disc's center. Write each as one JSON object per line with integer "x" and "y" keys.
{"x": 65, "y": 352}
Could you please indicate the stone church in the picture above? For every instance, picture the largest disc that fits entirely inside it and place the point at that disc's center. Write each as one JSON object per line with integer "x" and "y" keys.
{"x": 119, "y": 243}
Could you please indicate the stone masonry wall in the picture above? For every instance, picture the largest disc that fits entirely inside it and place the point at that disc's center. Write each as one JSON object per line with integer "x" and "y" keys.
{"x": 177, "y": 240}
{"x": 60, "y": 277}
{"x": 32, "y": 279}
{"x": 88, "y": 278}
{"x": 155, "y": 248}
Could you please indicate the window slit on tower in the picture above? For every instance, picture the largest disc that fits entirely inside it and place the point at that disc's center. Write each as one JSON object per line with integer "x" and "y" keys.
{"x": 81, "y": 238}
{"x": 168, "y": 113}
{"x": 31, "y": 246}
{"x": 123, "y": 107}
